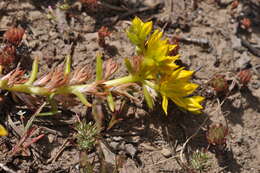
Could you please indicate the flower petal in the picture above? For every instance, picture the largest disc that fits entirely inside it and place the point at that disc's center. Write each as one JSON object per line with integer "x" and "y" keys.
{"x": 165, "y": 104}
{"x": 3, "y": 131}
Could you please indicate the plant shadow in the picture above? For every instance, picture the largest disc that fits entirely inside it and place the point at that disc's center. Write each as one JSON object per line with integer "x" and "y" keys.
{"x": 253, "y": 101}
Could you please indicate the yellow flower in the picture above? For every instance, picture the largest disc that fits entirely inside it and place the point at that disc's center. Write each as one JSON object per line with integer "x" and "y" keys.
{"x": 138, "y": 32}
{"x": 156, "y": 46}
{"x": 3, "y": 132}
{"x": 155, "y": 66}
{"x": 156, "y": 55}
{"x": 178, "y": 88}
{"x": 153, "y": 49}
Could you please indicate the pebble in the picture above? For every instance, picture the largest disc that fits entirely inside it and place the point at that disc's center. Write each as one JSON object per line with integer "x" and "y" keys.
{"x": 118, "y": 138}
{"x": 130, "y": 149}
{"x": 51, "y": 138}
{"x": 225, "y": 2}
{"x": 236, "y": 43}
{"x": 166, "y": 152}
{"x": 243, "y": 61}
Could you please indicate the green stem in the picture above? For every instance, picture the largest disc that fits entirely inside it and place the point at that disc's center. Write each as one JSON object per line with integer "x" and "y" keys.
{"x": 67, "y": 65}
{"x": 150, "y": 84}
{"x": 41, "y": 90}
{"x": 122, "y": 80}
{"x": 33, "y": 75}
{"x": 99, "y": 68}
{"x": 26, "y": 89}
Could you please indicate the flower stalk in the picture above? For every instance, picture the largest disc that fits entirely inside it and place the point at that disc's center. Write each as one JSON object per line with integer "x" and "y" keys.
{"x": 121, "y": 81}
{"x": 153, "y": 68}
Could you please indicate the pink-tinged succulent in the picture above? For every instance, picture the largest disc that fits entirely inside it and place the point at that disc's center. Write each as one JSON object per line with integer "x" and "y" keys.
{"x": 244, "y": 76}
{"x": 14, "y": 35}
{"x": 217, "y": 134}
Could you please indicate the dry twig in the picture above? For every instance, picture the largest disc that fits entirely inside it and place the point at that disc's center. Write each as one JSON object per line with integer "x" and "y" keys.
{"x": 61, "y": 149}
{"x": 5, "y": 168}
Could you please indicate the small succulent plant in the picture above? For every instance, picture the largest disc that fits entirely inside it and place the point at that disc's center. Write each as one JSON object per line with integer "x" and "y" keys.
{"x": 217, "y": 134}
{"x": 244, "y": 76}
{"x": 103, "y": 32}
{"x": 13, "y": 38}
{"x": 14, "y": 35}
{"x": 87, "y": 135}
{"x": 200, "y": 161}
{"x": 219, "y": 83}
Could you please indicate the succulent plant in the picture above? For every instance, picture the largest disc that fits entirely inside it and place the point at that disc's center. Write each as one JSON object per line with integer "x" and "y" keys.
{"x": 217, "y": 134}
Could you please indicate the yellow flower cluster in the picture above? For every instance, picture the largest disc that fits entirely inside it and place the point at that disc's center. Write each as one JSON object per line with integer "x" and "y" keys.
{"x": 153, "y": 49}
{"x": 157, "y": 69}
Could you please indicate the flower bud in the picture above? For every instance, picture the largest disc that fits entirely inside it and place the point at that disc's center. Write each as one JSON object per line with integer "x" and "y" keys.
{"x": 14, "y": 35}
{"x": 244, "y": 76}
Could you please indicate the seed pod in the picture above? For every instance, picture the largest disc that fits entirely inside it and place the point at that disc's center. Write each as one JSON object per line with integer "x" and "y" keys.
{"x": 244, "y": 76}
{"x": 103, "y": 32}
{"x": 14, "y": 35}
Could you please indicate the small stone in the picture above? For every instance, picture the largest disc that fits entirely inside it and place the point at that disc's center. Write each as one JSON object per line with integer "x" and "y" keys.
{"x": 255, "y": 85}
{"x": 236, "y": 43}
{"x": 34, "y": 15}
{"x": 225, "y": 2}
{"x": 130, "y": 149}
{"x": 109, "y": 156}
{"x": 117, "y": 138}
{"x": 166, "y": 152}
{"x": 114, "y": 145}
{"x": 34, "y": 44}
{"x": 243, "y": 61}
{"x": 51, "y": 138}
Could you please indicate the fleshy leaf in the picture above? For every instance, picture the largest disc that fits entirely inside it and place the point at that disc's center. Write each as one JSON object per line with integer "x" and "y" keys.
{"x": 67, "y": 65}
{"x": 148, "y": 97}
{"x": 99, "y": 68}
{"x": 110, "y": 102}
{"x": 34, "y": 73}
{"x": 128, "y": 65}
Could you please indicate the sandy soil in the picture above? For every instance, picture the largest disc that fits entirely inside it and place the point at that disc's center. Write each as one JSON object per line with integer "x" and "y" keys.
{"x": 150, "y": 142}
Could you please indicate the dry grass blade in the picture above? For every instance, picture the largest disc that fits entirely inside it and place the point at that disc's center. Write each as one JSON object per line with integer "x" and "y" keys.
{"x": 29, "y": 123}
{"x": 80, "y": 75}
{"x": 43, "y": 80}
{"x": 136, "y": 63}
{"x": 26, "y": 140}
{"x": 32, "y": 102}
{"x": 57, "y": 79}
{"x": 122, "y": 90}
{"x": 57, "y": 154}
{"x": 5, "y": 168}
{"x": 15, "y": 77}
{"x": 110, "y": 69}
